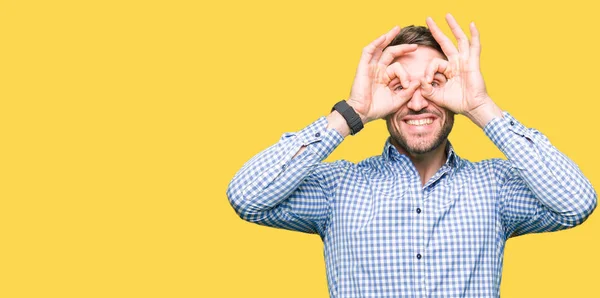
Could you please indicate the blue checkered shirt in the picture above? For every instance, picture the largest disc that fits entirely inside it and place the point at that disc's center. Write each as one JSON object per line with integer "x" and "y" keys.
{"x": 387, "y": 235}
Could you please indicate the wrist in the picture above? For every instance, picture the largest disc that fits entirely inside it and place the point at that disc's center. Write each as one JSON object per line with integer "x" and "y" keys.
{"x": 352, "y": 118}
{"x": 355, "y": 106}
{"x": 484, "y": 113}
{"x": 336, "y": 121}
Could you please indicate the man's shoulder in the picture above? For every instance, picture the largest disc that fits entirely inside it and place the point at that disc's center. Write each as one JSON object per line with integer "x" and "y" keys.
{"x": 484, "y": 164}
{"x": 491, "y": 167}
{"x": 365, "y": 163}
{"x": 373, "y": 163}
{"x": 368, "y": 166}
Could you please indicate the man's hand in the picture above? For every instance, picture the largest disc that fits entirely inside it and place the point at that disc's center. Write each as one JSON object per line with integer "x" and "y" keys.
{"x": 379, "y": 88}
{"x": 464, "y": 91}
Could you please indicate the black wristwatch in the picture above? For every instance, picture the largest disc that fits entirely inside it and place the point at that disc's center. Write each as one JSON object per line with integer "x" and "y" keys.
{"x": 349, "y": 115}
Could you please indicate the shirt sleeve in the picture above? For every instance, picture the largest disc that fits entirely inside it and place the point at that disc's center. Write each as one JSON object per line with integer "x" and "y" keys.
{"x": 279, "y": 190}
{"x": 540, "y": 189}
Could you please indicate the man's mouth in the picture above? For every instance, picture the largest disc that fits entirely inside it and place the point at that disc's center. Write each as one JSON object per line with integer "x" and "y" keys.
{"x": 419, "y": 122}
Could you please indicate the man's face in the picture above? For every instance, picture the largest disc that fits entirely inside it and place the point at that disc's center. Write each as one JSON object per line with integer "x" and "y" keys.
{"x": 420, "y": 126}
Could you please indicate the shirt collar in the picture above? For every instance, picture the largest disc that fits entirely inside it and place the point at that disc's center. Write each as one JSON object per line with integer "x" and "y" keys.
{"x": 390, "y": 153}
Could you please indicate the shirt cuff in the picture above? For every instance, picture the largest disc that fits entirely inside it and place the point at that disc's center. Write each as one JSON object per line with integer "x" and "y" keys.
{"x": 510, "y": 136}
{"x": 319, "y": 140}
{"x": 501, "y": 130}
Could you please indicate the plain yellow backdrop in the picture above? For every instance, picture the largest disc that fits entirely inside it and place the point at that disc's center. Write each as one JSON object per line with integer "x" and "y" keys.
{"x": 122, "y": 123}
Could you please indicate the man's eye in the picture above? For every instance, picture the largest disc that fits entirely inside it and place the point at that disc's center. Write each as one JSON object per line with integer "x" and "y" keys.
{"x": 398, "y": 88}
{"x": 435, "y": 84}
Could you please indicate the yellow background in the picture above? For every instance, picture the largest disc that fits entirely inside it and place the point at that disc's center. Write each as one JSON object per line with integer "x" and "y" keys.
{"x": 122, "y": 123}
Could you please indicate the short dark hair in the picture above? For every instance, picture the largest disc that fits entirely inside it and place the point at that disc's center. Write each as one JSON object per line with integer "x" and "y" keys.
{"x": 418, "y": 35}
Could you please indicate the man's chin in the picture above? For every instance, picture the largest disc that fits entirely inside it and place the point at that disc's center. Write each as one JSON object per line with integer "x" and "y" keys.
{"x": 415, "y": 150}
{"x": 420, "y": 145}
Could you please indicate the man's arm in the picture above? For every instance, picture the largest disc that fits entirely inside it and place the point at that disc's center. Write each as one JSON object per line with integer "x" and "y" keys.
{"x": 284, "y": 189}
{"x": 286, "y": 185}
{"x": 540, "y": 189}
{"x": 334, "y": 121}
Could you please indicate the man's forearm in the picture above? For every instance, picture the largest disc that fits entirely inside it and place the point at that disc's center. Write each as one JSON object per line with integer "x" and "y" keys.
{"x": 334, "y": 121}
{"x": 554, "y": 179}
{"x": 484, "y": 113}
{"x": 337, "y": 122}
{"x": 260, "y": 184}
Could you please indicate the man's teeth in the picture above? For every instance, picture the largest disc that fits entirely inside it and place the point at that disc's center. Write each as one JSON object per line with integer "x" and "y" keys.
{"x": 420, "y": 121}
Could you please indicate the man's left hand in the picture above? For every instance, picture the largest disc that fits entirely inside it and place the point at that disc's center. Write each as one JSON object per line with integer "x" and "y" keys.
{"x": 464, "y": 91}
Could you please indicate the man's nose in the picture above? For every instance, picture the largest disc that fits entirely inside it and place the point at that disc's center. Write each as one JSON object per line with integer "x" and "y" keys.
{"x": 417, "y": 102}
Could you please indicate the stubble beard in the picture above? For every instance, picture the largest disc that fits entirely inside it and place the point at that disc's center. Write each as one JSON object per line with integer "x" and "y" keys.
{"x": 421, "y": 145}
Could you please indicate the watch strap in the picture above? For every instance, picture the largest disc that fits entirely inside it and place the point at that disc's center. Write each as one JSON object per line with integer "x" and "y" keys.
{"x": 351, "y": 117}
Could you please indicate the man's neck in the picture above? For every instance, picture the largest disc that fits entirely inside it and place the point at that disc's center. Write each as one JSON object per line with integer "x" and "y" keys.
{"x": 427, "y": 164}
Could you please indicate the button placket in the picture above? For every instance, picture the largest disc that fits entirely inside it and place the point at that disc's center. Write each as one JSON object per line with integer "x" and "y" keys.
{"x": 421, "y": 238}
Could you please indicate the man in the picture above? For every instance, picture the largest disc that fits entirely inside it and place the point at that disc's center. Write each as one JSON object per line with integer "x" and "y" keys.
{"x": 418, "y": 220}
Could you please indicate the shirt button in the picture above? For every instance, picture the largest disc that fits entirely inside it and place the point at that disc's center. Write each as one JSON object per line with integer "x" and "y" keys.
{"x": 419, "y": 256}
{"x": 418, "y": 210}
{"x": 283, "y": 167}
{"x": 512, "y": 122}
{"x": 317, "y": 135}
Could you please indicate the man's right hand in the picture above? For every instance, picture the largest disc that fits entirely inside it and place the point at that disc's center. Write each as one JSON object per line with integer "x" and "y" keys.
{"x": 381, "y": 87}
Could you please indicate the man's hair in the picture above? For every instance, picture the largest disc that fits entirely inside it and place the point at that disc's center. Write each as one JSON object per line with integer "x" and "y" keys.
{"x": 418, "y": 35}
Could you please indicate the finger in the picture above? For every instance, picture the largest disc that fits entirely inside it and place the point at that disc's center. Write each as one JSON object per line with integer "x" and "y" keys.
{"x": 429, "y": 92}
{"x": 410, "y": 90}
{"x": 461, "y": 38}
{"x": 394, "y": 82}
{"x": 437, "y": 65}
{"x": 396, "y": 70}
{"x": 369, "y": 50}
{"x": 446, "y": 44}
{"x": 394, "y": 52}
{"x": 475, "y": 45}
{"x": 388, "y": 39}
{"x": 403, "y": 96}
